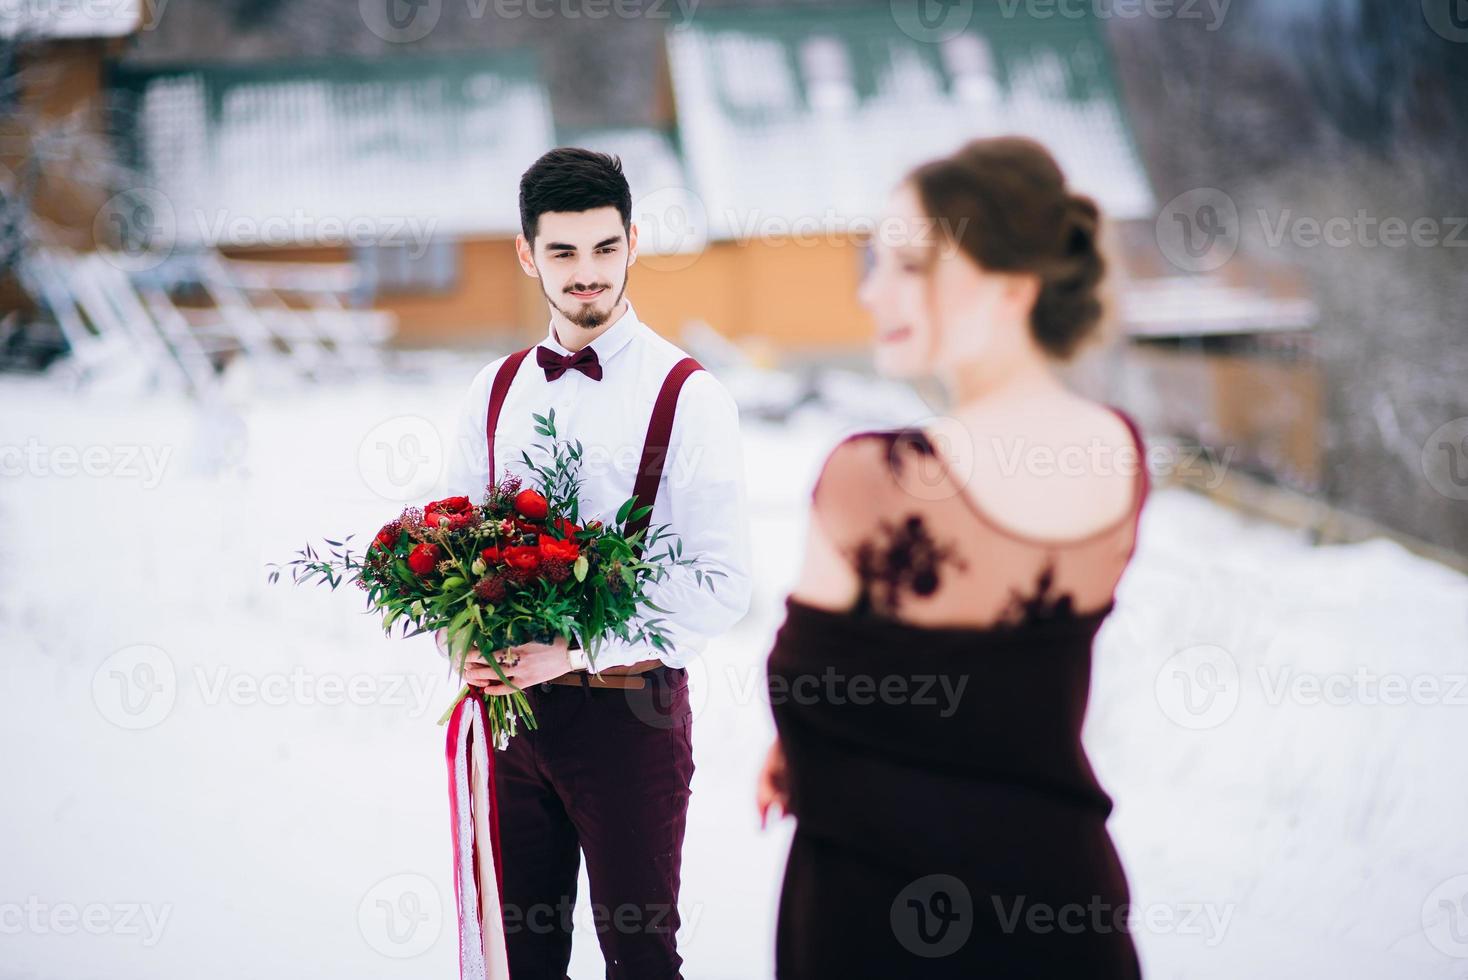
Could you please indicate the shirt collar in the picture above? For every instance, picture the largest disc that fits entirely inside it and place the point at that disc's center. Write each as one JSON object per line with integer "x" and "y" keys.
{"x": 608, "y": 343}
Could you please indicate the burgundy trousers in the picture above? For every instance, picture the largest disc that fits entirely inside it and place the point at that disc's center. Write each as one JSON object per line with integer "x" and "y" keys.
{"x": 607, "y": 774}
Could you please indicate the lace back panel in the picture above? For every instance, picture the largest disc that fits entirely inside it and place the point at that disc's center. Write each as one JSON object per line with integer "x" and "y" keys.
{"x": 925, "y": 554}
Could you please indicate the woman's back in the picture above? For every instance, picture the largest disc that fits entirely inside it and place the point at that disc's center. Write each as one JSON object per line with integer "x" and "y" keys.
{"x": 1012, "y": 527}
{"x": 932, "y": 730}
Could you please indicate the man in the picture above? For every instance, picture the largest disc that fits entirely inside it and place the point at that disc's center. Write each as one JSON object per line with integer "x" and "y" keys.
{"x": 608, "y": 770}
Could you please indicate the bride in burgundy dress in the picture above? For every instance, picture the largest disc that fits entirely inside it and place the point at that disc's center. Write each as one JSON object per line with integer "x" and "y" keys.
{"x": 930, "y": 678}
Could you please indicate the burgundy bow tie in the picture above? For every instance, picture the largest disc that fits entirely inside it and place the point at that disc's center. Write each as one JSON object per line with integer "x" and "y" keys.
{"x": 556, "y": 365}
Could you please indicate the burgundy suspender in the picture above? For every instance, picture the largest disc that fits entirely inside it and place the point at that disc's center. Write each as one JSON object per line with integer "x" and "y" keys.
{"x": 497, "y": 393}
{"x": 654, "y": 445}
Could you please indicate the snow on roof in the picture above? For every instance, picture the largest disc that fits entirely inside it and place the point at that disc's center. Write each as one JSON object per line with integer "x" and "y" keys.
{"x": 310, "y": 152}
{"x": 668, "y": 215}
{"x": 796, "y": 114}
{"x": 64, "y": 19}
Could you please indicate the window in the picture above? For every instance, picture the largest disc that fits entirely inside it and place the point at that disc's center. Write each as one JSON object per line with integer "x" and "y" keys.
{"x": 410, "y": 267}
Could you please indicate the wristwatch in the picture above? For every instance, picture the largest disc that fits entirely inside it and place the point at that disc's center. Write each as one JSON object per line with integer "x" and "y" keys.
{"x": 579, "y": 659}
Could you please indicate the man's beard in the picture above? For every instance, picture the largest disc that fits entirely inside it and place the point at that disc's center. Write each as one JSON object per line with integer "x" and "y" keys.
{"x": 586, "y": 315}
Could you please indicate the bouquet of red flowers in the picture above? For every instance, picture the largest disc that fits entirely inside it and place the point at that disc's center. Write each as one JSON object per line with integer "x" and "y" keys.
{"x": 517, "y": 568}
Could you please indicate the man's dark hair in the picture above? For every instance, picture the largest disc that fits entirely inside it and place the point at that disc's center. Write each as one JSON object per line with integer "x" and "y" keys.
{"x": 569, "y": 178}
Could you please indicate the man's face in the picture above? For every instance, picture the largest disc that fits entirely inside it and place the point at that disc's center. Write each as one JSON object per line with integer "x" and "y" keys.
{"x": 581, "y": 259}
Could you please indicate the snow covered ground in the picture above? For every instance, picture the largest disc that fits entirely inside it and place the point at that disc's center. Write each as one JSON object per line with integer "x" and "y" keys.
{"x": 205, "y": 775}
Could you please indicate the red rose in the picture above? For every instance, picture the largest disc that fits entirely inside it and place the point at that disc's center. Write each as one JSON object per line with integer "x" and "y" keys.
{"x": 522, "y": 558}
{"x": 552, "y": 548}
{"x": 491, "y": 555}
{"x": 424, "y": 558}
{"x": 593, "y": 525}
{"x": 564, "y": 525}
{"x": 532, "y": 505}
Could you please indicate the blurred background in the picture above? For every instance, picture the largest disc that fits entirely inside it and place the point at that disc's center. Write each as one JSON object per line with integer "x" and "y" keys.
{"x": 251, "y": 254}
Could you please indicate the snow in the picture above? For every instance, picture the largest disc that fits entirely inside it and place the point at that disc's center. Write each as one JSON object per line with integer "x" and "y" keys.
{"x": 209, "y": 775}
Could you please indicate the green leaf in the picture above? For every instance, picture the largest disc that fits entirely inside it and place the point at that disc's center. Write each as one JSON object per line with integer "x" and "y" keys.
{"x": 451, "y": 583}
{"x": 580, "y": 568}
{"x": 625, "y": 509}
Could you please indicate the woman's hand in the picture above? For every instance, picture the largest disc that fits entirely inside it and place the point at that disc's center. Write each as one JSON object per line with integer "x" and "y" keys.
{"x": 771, "y": 788}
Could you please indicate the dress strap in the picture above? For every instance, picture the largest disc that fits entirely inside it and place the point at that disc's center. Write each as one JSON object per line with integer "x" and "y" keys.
{"x": 1143, "y": 483}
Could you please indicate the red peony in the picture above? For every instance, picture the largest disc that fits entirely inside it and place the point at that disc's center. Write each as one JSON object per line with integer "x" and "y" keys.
{"x": 492, "y": 555}
{"x": 566, "y": 550}
{"x": 532, "y": 504}
{"x": 564, "y": 526}
{"x": 449, "y": 508}
{"x": 424, "y": 558}
{"x": 522, "y": 558}
{"x": 457, "y": 522}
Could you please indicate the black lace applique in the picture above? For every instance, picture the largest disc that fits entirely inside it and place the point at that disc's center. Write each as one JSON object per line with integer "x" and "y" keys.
{"x": 1042, "y": 606}
{"x": 908, "y": 559}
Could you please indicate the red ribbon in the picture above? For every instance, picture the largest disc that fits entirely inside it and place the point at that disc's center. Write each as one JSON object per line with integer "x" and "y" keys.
{"x": 474, "y": 814}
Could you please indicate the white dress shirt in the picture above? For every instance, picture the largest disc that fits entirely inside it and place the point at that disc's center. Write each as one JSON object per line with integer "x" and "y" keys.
{"x": 701, "y": 494}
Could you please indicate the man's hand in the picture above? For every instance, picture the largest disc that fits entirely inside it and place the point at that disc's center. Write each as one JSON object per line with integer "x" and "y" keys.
{"x": 525, "y": 664}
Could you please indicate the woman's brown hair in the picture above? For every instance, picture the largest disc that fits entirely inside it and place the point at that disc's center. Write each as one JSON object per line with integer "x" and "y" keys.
{"x": 1007, "y": 200}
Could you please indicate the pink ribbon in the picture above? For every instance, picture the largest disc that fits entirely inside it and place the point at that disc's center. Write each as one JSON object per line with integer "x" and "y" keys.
{"x": 474, "y": 813}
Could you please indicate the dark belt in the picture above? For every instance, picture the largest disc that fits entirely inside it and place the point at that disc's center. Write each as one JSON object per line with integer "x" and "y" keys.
{"x": 620, "y": 677}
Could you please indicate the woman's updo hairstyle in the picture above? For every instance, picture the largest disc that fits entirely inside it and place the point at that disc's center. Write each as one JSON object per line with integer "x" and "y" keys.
{"x": 1022, "y": 218}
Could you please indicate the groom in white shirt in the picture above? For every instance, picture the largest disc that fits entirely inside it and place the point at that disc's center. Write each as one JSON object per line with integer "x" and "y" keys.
{"x": 608, "y": 770}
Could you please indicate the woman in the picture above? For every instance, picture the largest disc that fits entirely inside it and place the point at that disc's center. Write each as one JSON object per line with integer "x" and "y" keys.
{"x": 930, "y": 678}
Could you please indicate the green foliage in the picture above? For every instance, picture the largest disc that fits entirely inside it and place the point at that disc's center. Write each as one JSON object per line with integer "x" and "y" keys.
{"x": 486, "y": 604}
